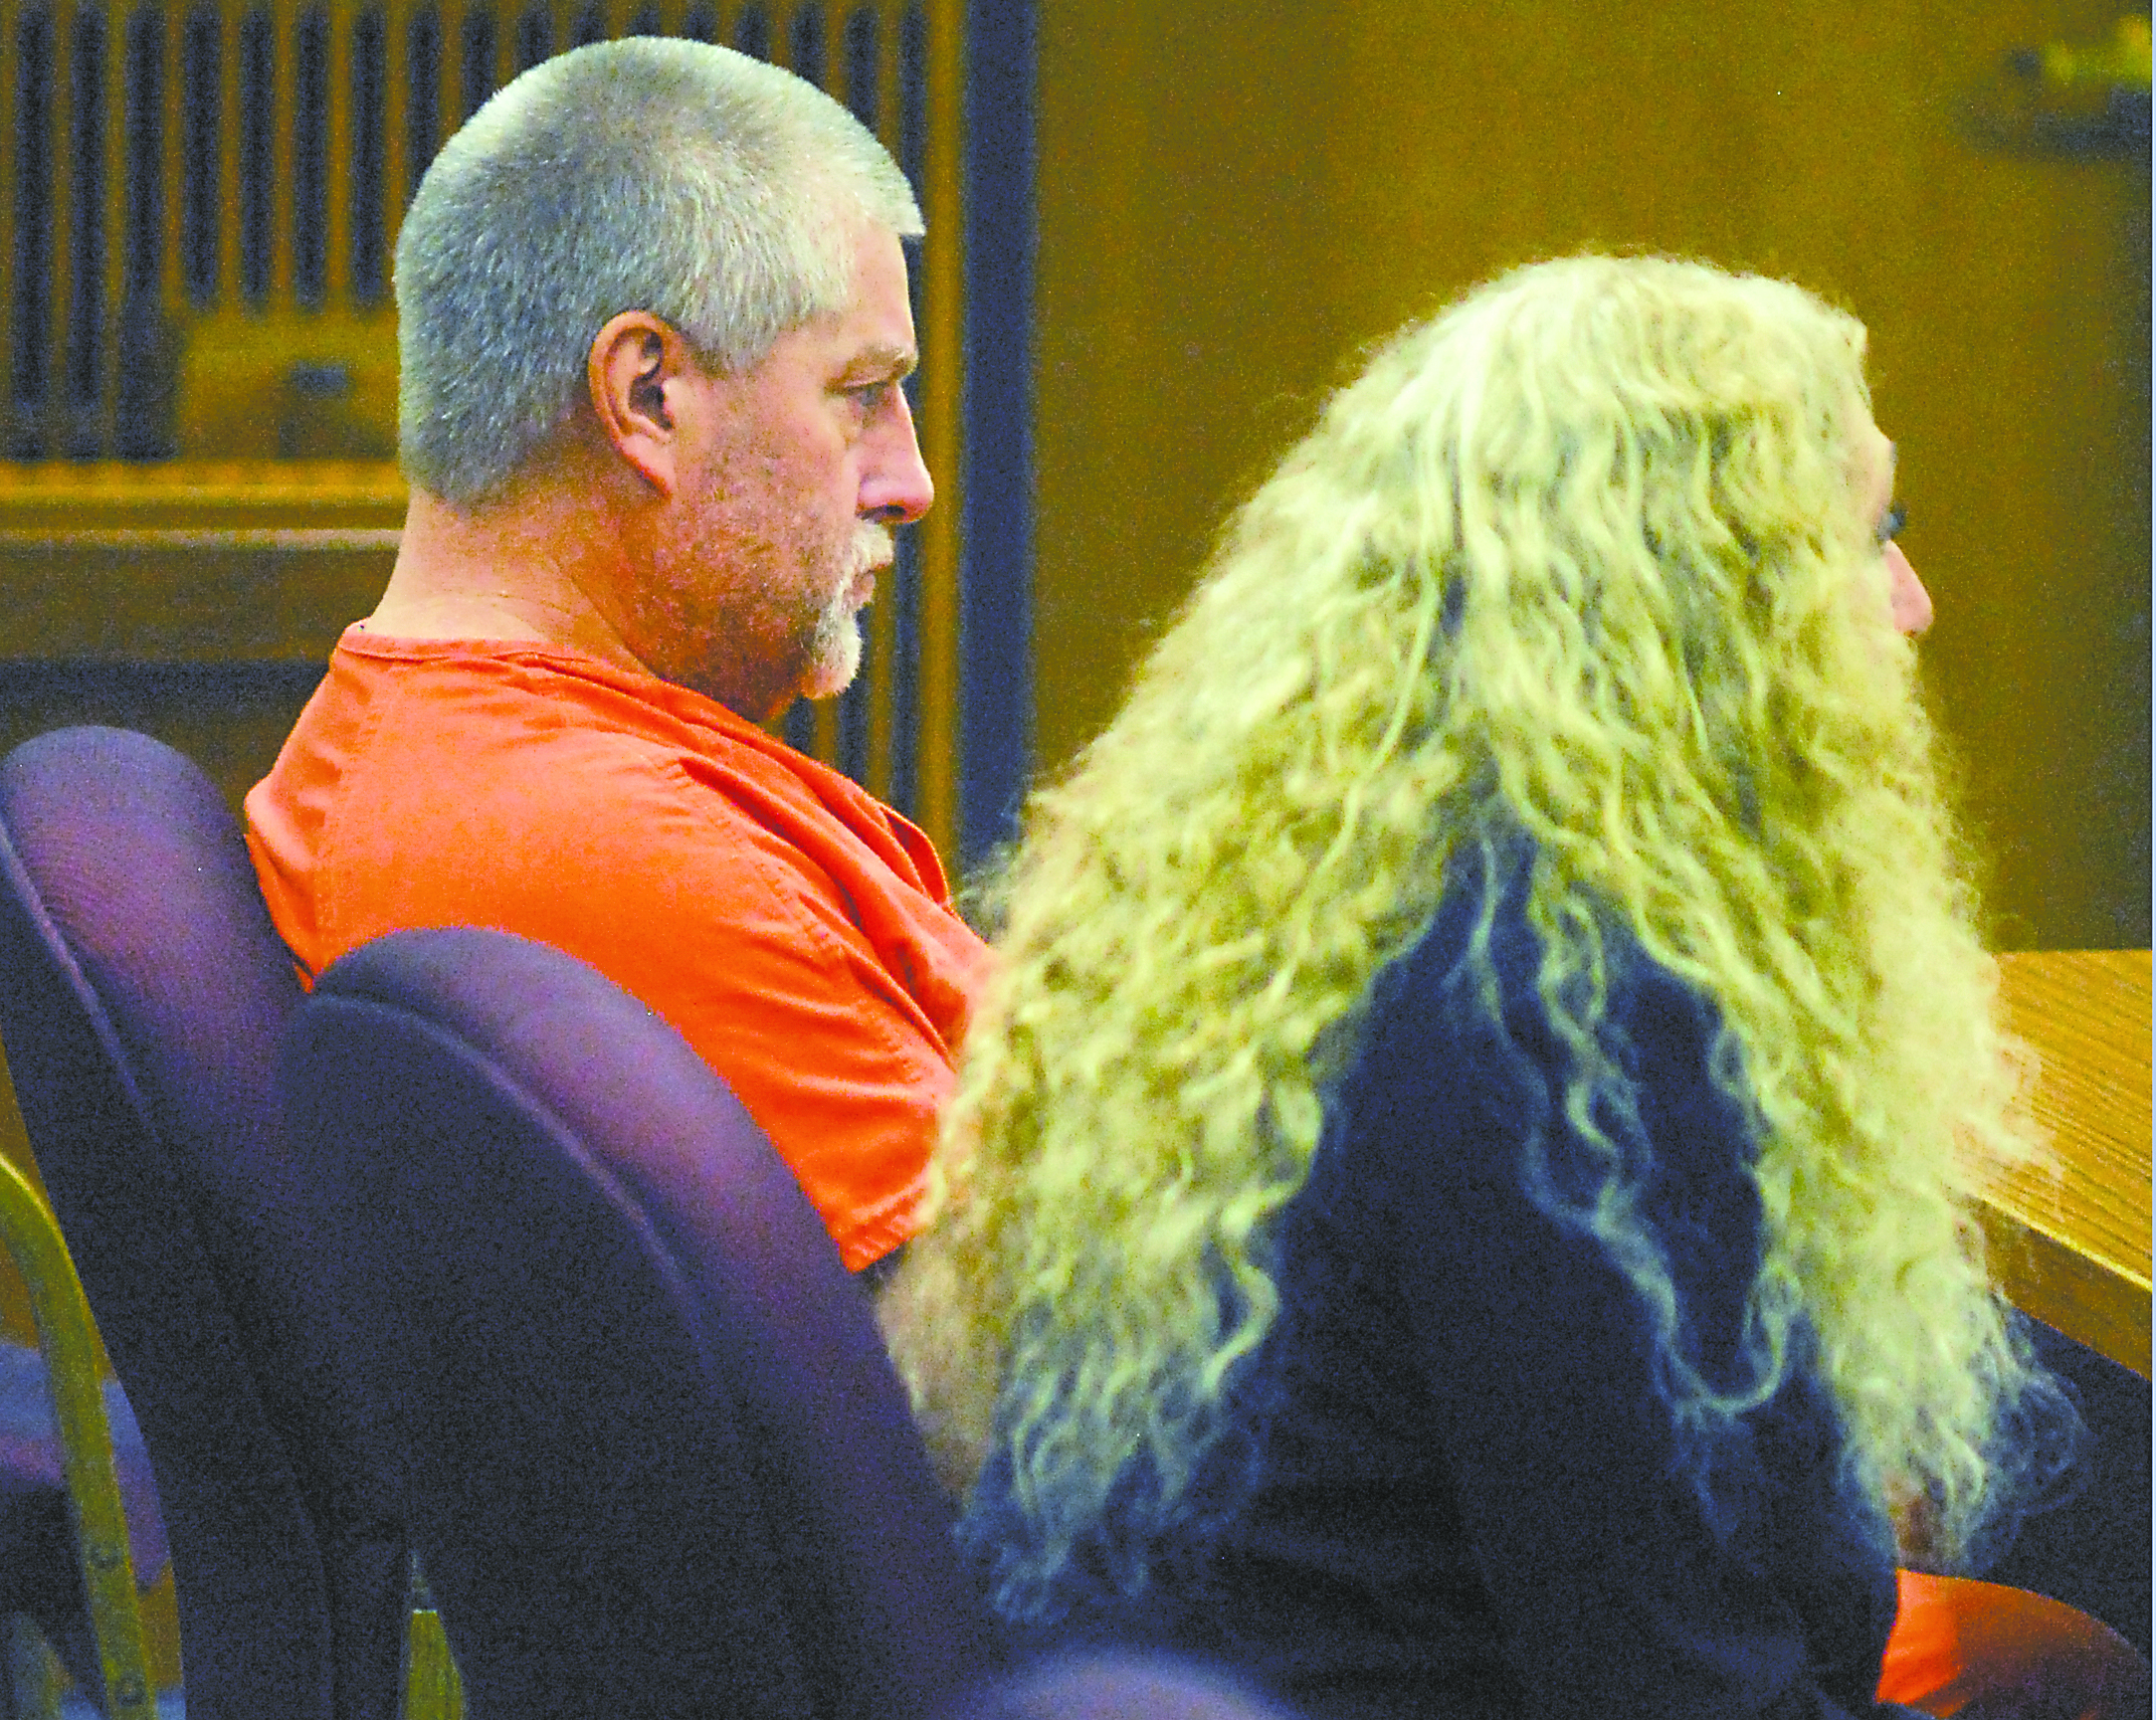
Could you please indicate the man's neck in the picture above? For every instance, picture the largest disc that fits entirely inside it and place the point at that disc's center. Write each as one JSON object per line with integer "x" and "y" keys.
{"x": 512, "y": 572}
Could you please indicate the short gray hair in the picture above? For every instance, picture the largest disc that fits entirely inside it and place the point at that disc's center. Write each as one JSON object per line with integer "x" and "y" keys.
{"x": 645, "y": 174}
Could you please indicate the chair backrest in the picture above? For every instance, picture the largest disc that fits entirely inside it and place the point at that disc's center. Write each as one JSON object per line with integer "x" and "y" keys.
{"x": 143, "y": 988}
{"x": 644, "y": 1435}
{"x": 1120, "y": 1685}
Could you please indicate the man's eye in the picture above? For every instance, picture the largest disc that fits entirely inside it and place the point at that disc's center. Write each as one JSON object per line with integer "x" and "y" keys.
{"x": 1891, "y": 521}
{"x": 869, "y": 395}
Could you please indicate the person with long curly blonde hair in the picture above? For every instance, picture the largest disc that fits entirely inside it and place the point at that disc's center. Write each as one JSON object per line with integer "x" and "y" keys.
{"x": 1458, "y": 1192}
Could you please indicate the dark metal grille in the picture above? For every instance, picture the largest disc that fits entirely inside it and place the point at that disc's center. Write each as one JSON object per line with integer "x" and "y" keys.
{"x": 149, "y": 176}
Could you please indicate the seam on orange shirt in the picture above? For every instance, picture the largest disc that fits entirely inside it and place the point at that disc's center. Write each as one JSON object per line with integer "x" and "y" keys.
{"x": 787, "y": 893}
{"x": 329, "y": 924}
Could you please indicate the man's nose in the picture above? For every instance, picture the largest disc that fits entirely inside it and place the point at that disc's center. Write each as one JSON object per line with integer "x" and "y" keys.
{"x": 896, "y": 487}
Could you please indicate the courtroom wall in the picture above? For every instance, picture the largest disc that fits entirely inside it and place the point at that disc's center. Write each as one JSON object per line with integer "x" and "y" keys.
{"x": 1236, "y": 196}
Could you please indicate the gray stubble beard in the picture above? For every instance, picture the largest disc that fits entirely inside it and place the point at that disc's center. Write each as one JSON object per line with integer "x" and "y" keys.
{"x": 835, "y": 648}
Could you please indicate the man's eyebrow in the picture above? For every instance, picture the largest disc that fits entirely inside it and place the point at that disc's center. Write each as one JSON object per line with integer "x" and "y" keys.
{"x": 882, "y": 360}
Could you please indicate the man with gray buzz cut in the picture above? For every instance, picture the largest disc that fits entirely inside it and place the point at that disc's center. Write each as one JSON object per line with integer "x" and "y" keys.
{"x": 653, "y": 324}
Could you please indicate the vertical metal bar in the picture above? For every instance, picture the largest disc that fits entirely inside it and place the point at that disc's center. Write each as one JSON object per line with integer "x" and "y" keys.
{"x": 831, "y": 84}
{"x": 943, "y": 355}
{"x": 171, "y": 145}
{"x": 12, "y": 69}
{"x": 617, "y": 19}
{"x": 338, "y": 182}
{"x": 560, "y": 20}
{"x": 230, "y": 15}
{"x": 940, "y": 393}
{"x": 396, "y": 120}
{"x": 823, "y": 737}
{"x": 449, "y": 105}
{"x": 284, "y": 151}
{"x": 891, "y": 121}
{"x": 674, "y": 17}
{"x": 115, "y": 223}
{"x": 61, "y": 224}
{"x": 824, "y": 742}
{"x": 823, "y": 729}
{"x": 884, "y": 617}
{"x": 758, "y": 40}
{"x": 504, "y": 41}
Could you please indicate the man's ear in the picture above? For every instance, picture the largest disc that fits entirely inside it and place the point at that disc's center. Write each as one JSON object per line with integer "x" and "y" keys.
{"x": 635, "y": 370}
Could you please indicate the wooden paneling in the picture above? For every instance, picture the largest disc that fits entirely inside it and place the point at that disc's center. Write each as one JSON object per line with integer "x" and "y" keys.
{"x": 1189, "y": 262}
{"x": 194, "y": 599}
{"x": 163, "y": 596}
{"x": 1234, "y": 198}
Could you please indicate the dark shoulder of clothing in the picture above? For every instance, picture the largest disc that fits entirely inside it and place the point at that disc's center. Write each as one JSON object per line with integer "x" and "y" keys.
{"x": 1450, "y": 1482}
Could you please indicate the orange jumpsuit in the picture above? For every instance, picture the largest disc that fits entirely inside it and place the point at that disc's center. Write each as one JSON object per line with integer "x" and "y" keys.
{"x": 796, "y": 931}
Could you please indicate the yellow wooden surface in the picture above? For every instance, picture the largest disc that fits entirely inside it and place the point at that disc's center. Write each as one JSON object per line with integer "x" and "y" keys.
{"x": 49, "y": 497}
{"x": 2072, "y": 1245}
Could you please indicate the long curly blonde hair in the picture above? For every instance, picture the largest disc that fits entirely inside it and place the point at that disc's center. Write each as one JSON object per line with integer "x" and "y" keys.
{"x": 1582, "y": 558}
